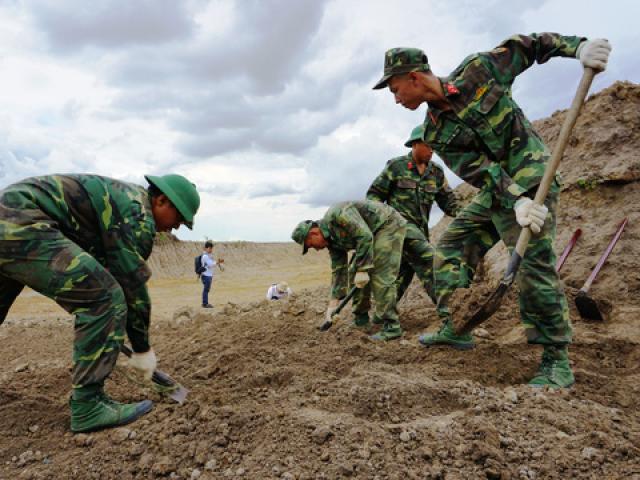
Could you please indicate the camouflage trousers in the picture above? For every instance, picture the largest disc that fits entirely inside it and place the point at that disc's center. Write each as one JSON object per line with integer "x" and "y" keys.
{"x": 416, "y": 256}
{"x": 479, "y": 226}
{"x": 34, "y": 253}
{"x": 387, "y": 256}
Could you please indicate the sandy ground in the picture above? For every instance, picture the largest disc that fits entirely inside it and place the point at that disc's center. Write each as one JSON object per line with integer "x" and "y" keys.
{"x": 271, "y": 397}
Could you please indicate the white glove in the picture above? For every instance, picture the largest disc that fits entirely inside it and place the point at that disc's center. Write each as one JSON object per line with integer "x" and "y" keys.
{"x": 145, "y": 362}
{"x": 333, "y": 304}
{"x": 529, "y": 214}
{"x": 361, "y": 279}
{"x": 594, "y": 53}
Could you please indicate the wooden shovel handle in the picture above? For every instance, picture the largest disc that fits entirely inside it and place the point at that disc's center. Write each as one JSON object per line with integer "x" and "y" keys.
{"x": 558, "y": 152}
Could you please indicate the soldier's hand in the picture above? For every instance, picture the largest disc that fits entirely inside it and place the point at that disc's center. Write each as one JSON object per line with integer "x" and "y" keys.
{"x": 361, "y": 279}
{"x": 145, "y": 362}
{"x": 530, "y": 214}
{"x": 333, "y": 304}
{"x": 594, "y": 53}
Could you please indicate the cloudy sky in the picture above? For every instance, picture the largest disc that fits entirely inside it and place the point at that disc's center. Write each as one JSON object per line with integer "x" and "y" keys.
{"x": 265, "y": 104}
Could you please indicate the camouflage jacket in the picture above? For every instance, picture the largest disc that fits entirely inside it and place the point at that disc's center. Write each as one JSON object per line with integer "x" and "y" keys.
{"x": 485, "y": 138}
{"x": 351, "y": 226}
{"x": 401, "y": 186}
{"x": 109, "y": 219}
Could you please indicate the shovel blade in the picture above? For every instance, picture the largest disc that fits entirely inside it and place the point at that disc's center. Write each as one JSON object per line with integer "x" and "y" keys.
{"x": 587, "y": 307}
{"x": 325, "y": 326}
{"x": 179, "y": 395}
{"x": 490, "y": 306}
{"x": 169, "y": 387}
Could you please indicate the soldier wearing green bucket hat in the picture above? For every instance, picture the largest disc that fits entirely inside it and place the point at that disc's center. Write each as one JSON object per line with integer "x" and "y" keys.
{"x": 375, "y": 232}
{"x": 482, "y": 135}
{"x": 83, "y": 241}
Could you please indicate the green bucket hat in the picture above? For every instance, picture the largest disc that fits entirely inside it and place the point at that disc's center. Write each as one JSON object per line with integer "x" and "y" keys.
{"x": 398, "y": 61}
{"x": 299, "y": 234}
{"x": 181, "y": 192}
{"x": 417, "y": 135}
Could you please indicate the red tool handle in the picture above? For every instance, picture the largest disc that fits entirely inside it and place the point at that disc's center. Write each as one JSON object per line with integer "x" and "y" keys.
{"x": 603, "y": 258}
{"x": 567, "y": 249}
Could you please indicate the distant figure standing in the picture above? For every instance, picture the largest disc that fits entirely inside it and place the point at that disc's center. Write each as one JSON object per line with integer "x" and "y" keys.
{"x": 279, "y": 290}
{"x": 206, "y": 276}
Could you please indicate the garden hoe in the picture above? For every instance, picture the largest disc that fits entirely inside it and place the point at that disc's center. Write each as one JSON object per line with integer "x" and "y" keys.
{"x": 163, "y": 383}
{"x": 586, "y": 305}
{"x": 567, "y": 249}
{"x": 493, "y": 303}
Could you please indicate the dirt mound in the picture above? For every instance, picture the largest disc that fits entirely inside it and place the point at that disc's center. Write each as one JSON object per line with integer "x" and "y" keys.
{"x": 271, "y": 397}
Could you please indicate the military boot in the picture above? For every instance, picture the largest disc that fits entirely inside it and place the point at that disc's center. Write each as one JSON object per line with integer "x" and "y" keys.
{"x": 100, "y": 412}
{"x": 361, "y": 320}
{"x": 554, "y": 370}
{"x": 390, "y": 331}
{"x": 447, "y": 336}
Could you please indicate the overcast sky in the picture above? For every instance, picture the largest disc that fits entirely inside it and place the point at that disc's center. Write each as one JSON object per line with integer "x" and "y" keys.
{"x": 266, "y": 105}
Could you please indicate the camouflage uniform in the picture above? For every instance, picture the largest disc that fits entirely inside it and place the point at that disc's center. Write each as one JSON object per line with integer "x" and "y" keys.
{"x": 487, "y": 141}
{"x": 376, "y": 232}
{"x": 401, "y": 186}
{"x": 81, "y": 240}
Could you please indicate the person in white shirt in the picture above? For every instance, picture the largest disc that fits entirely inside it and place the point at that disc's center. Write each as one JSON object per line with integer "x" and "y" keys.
{"x": 206, "y": 276}
{"x": 279, "y": 290}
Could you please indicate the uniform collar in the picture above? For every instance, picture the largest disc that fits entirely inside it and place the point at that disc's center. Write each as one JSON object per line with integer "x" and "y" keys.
{"x": 449, "y": 90}
{"x": 324, "y": 228}
{"x": 411, "y": 165}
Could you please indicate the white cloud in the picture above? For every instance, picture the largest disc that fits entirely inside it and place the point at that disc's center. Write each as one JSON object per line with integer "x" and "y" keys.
{"x": 265, "y": 104}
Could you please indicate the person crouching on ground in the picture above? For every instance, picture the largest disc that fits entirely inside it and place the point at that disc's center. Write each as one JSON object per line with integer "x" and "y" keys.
{"x": 83, "y": 241}
{"x": 376, "y": 232}
{"x": 278, "y": 291}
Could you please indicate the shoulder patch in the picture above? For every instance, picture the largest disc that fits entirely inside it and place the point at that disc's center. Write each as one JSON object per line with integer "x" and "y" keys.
{"x": 480, "y": 92}
{"x": 451, "y": 89}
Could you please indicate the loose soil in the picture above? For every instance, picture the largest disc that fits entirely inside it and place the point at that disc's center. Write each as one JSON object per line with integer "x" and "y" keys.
{"x": 271, "y": 397}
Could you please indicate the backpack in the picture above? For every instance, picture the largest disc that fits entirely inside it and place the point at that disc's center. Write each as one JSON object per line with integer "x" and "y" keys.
{"x": 198, "y": 265}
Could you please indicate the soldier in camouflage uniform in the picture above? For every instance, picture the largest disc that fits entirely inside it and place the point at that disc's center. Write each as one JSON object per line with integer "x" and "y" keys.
{"x": 475, "y": 126}
{"x": 411, "y": 184}
{"x": 83, "y": 241}
{"x": 376, "y": 232}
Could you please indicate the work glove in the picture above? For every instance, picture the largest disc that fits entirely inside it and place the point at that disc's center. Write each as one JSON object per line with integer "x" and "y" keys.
{"x": 145, "y": 362}
{"x": 361, "y": 279}
{"x": 594, "y": 53}
{"x": 333, "y": 304}
{"x": 530, "y": 214}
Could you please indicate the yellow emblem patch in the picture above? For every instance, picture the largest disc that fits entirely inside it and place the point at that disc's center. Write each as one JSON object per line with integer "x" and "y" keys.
{"x": 480, "y": 91}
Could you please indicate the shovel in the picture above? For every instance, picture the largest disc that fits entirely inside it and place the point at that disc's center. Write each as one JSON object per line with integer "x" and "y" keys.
{"x": 163, "y": 382}
{"x": 327, "y": 324}
{"x": 567, "y": 249}
{"x": 493, "y": 303}
{"x": 586, "y": 305}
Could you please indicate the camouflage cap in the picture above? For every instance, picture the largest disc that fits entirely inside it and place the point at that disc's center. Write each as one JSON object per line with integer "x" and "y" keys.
{"x": 402, "y": 60}
{"x": 417, "y": 135}
{"x": 299, "y": 234}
